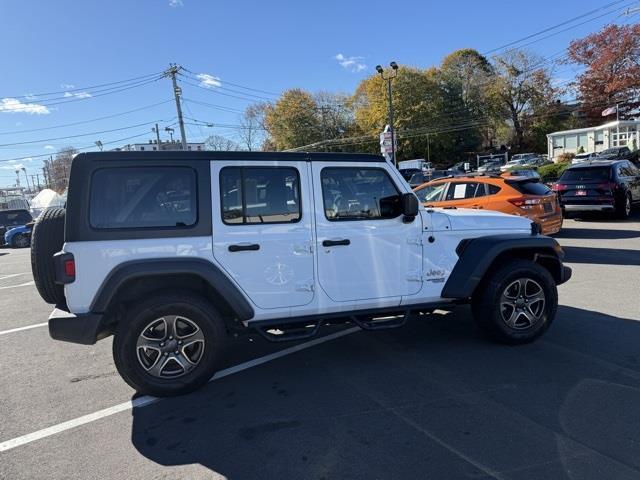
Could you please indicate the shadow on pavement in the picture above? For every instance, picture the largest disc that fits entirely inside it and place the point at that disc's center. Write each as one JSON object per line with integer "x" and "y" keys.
{"x": 601, "y": 256}
{"x": 597, "y": 234}
{"x": 431, "y": 400}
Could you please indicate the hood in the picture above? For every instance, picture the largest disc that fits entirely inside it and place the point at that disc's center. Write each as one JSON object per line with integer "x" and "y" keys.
{"x": 471, "y": 219}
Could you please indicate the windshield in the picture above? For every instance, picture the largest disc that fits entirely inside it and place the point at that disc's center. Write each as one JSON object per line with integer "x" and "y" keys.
{"x": 586, "y": 174}
{"x": 430, "y": 193}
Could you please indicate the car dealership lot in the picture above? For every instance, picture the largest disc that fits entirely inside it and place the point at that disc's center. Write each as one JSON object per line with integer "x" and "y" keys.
{"x": 431, "y": 400}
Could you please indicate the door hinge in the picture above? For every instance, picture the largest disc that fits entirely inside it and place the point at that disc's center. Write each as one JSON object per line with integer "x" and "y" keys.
{"x": 305, "y": 286}
{"x": 414, "y": 277}
{"x": 303, "y": 248}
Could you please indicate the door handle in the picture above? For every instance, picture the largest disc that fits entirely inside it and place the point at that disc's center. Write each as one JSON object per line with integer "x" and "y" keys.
{"x": 244, "y": 246}
{"x": 479, "y": 207}
{"x": 333, "y": 243}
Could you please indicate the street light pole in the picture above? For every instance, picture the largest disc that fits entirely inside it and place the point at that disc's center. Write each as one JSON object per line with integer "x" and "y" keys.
{"x": 391, "y": 75}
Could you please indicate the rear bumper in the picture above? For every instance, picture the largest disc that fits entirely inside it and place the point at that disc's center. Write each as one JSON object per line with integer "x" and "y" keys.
{"x": 588, "y": 208}
{"x": 84, "y": 328}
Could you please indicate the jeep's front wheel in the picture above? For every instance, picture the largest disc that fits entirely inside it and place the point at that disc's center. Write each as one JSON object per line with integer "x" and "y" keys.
{"x": 516, "y": 303}
{"x": 169, "y": 345}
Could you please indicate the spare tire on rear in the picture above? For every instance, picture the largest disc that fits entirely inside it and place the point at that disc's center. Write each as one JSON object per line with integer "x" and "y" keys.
{"x": 47, "y": 239}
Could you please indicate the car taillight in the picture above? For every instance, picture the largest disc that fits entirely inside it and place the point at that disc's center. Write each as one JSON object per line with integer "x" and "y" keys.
{"x": 70, "y": 268}
{"x": 606, "y": 186}
{"x": 525, "y": 203}
{"x": 559, "y": 187}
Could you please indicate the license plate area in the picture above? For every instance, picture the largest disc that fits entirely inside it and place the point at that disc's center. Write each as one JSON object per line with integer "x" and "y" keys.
{"x": 548, "y": 207}
{"x": 581, "y": 193}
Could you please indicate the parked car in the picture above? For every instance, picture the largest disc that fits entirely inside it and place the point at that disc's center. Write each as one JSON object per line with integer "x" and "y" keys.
{"x": 407, "y": 173}
{"x": 19, "y": 237}
{"x": 617, "y": 153}
{"x": 521, "y": 172}
{"x": 489, "y": 167}
{"x": 278, "y": 244}
{"x": 12, "y": 218}
{"x": 420, "y": 178}
{"x": 514, "y": 163}
{"x": 599, "y": 186}
{"x": 583, "y": 157}
{"x": 523, "y": 196}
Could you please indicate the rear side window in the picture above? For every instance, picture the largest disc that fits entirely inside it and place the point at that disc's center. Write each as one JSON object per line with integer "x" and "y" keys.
{"x": 493, "y": 189}
{"x": 531, "y": 188}
{"x": 351, "y": 193}
{"x": 586, "y": 174}
{"x": 153, "y": 197}
{"x": 460, "y": 190}
{"x": 255, "y": 195}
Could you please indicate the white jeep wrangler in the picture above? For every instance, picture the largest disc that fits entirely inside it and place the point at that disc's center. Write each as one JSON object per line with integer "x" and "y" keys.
{"x": 172, "y": 251}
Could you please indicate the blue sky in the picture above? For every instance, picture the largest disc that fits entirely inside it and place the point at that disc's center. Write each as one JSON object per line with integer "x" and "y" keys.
{"x": 65, "y": 46}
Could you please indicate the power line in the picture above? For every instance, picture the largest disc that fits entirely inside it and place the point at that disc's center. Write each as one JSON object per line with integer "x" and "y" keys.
{"x": 193, "y": 74}
{"x": 16, "y": 132}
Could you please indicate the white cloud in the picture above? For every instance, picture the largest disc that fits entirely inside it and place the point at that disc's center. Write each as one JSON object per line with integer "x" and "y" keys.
{"x": 13, "y": 105}
{"x": 67, "y": 86}
{"x": 77, "y": 94}
{"x": 12, "y": 165}
{"x": 176, "y": 3}
{"x": 49, "y": 147}
{"x": 352, "y": 64}
{"x": 208, "y": 81}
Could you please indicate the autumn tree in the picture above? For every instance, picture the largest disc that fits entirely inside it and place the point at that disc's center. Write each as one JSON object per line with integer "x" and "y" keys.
{"x": 520, "y": 90}
{"x": 293, "y": 121}
{"x": 611, "y": 58}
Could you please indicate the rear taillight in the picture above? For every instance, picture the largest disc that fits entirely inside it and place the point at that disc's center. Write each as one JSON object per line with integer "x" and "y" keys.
{"x": 607, "y": 186}
{"x": 559, "y": 187}
{"x": 525, "y": 203}
{"x": 70, "y": 268}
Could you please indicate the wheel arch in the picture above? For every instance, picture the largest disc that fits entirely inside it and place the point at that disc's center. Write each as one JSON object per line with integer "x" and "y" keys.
{"x": 136, "y": 279}
{"x": 480, "y": 256}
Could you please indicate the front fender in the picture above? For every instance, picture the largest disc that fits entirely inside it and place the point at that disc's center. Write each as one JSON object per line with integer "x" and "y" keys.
{"x": 476, "y": 256}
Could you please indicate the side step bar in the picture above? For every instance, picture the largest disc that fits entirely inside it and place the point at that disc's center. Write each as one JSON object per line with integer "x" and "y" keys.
{"x": 381, "y": 323}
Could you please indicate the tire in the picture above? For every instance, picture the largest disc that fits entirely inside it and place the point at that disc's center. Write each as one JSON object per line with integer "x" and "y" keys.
{"x": 623, "y": 210}
{"x": 47, "y": 238}
{"x": 498, "y": 316}
{"x": 141, "y": 367}
{"x": 20, "y": 240}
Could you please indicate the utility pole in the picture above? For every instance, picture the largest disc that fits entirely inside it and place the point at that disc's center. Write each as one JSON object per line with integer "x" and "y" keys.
{"x": 38, "y": 178}
{"x": 157, "y": 130}
{"x": 391, "y": 75}
{"x": 323, "y": 110}
{"x": 177, "y": 93}
{"x": 27, "y": 177}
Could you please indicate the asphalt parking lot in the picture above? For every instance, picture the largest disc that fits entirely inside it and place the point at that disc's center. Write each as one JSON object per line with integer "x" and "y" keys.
{"x": 431, "y": 400}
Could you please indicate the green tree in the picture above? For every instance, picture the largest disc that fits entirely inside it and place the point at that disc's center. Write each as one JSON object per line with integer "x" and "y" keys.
{"x": 293, "y": 121}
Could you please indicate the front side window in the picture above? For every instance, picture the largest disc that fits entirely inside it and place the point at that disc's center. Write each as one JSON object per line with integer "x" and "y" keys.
{"x": 431, "y": 193}
{"x": 352, "y": 193}
{"x": 255, "y": 195}
{"x": 153, "y": 197}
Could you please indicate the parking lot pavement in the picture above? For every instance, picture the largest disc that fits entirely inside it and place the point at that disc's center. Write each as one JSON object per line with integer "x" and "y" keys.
{"x": 431, "y": 400}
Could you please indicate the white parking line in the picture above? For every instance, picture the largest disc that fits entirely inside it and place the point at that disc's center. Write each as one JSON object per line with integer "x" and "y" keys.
{"x": 148, "y": 400}
{"x": 19, "y": 285}
{"x": 2, "y": 277}
{"x": 28, "y": 327}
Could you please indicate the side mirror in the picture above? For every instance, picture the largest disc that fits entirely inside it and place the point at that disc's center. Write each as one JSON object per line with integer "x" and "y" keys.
{"x": 410, "y": 206}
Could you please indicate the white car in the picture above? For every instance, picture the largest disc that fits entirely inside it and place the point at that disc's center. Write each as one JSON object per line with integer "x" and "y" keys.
{"x": 583, "y": 157}
{"x": 172, "y": 252}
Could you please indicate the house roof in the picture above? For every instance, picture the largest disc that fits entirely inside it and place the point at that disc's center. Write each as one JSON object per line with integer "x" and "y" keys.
{"x": 613, "y": 124}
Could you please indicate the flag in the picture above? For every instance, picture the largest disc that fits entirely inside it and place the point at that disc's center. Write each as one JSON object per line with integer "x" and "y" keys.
{"x": 609, "y": 111}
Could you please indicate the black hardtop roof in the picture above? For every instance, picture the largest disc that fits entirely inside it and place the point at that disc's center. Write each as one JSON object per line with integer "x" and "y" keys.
{"x": 173, "y": 155}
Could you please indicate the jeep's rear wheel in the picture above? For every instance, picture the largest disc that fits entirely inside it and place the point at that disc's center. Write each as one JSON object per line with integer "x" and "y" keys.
{"x": 47, "y": 238}
{"x": 169, "y": 345}
{"x": 516, "y": 303}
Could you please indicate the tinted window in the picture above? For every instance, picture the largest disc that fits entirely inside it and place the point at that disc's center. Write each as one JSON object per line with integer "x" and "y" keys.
{"x": 531, "y": 188}
{"x": 460, "y": 191}
{"x": 143, "y": 198}
{"x": 431, "y": 193}
{"x": 586, "y": 174}
{"x": 359, "y": 194}
{"x": 19, "y": 217}
{"x": 493, "y": 189}
{"x": 255, "y": 195}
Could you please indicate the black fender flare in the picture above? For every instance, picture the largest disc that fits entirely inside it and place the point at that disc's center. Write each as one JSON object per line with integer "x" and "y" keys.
{"x": 157, "y": 267}
{"x": 478, "y": 254}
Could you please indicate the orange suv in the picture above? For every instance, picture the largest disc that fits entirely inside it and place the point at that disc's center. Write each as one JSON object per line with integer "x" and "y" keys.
{"x": 524, "y": 196}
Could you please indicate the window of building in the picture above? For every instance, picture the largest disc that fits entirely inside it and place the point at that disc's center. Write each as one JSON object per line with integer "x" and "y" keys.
{"x": 129, "y": 197}
{"x": 571, "y": 141}
{"x": 351, "y": 193}
{"x": 258, "y": 195}
{"x": 583, "y": 140}
{"x": 141, "y": 149}
{"x": 558, "y": 141}
{"x": 599, "y": 137}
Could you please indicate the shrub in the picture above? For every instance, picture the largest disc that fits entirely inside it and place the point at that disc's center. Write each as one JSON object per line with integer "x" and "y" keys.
{"x": 551, "y": 172}
{"x": 566, "y": 157}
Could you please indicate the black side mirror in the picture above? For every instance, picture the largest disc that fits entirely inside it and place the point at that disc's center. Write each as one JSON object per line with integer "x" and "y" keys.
{"x": 410, "y": 206}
